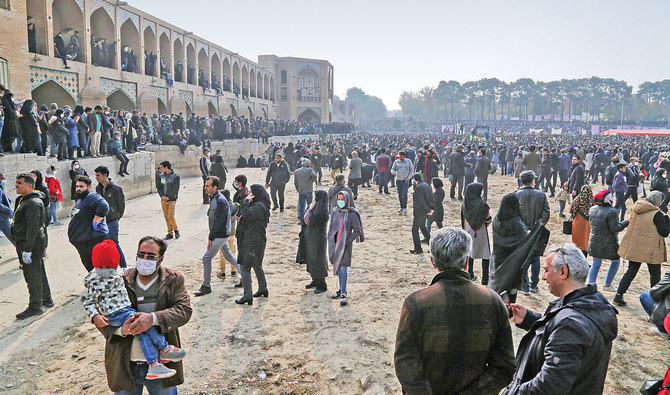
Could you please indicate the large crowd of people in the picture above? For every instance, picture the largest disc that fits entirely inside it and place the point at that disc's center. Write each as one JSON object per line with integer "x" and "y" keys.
{"x": 460, "y": 321}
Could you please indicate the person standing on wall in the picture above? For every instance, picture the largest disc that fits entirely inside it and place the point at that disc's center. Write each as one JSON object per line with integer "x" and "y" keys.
{"x": 168, "y": 190}
{"x": 113, "y": 195}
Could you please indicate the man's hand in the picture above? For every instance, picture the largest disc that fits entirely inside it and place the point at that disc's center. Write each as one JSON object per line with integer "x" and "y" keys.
{"x": 209, "y": 244}
{"x": 143, "y": 321}
{"x": 431, "y": 212}
{"x": 164, "y": 198}
{"x": 100, "y": 321}
{"x": 574, "y": 193}
{"x": 518, "y": 313}
{"x": 125, "y": 328}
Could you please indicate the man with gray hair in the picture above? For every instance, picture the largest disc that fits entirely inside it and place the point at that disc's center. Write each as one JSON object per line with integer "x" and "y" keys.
{"x": 304, "y": 179}
{"x": 567, "y": 350}
{"x": 453, "y": 336}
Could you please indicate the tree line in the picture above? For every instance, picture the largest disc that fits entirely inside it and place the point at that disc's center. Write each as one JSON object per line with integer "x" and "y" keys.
{"x": 608, "y": 98}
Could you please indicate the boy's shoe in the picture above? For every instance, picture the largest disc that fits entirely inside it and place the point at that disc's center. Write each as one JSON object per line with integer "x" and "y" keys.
{"x": 343, "y": 300}
{"x": 159, "y": 371}
{"x": 171, "y": 354}
{"x": 176, "y": 234}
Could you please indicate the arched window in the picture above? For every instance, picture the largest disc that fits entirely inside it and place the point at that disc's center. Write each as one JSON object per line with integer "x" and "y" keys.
{"x": 4, "y": 73}
{"x": 4, "y": 4}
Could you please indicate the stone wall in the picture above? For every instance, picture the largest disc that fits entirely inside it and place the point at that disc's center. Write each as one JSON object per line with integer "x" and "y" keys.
{"x": 142, "y": 165}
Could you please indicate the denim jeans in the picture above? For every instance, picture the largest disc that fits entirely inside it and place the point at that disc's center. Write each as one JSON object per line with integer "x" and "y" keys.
{"x": 384, "y": 181}
{"x": 611, "y": 272}
{"x": 114, "y": 236}
{"x": 342, "y": 275}
{"x": 147, "y": 339}
{"x": 304, "y": 200}
{"x": 5, "y": 228}
{"x": 403, "y": 188}
{"x": 155, "y": 387}
{"x": 19, "y": 143}
{"x": 648, "y": 305}
{"x": 534, "y": 275}
{"x": 53, "y": 207}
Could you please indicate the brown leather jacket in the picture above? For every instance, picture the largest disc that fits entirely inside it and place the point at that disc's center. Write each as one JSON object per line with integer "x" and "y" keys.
{"x": 173, "y": 311}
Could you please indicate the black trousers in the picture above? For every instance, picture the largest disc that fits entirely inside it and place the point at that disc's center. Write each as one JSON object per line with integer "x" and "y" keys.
{"x": 205, "y": 196}
{"x": 546, "y": 177}
{"x": 632, "y": 193}
{"x": 124, "y": 162}
{"x": 633, "y": 267}
{"x": 278, "y": 189}
{"x": 485, "y": 182}
{"x": 353, "y": 185}
{"x": 85, "y": 250}
{"x": 485, "y": 269}
{"x": 419, "y": 223}
{"x": 563, "y": 176}
{"x": 35, "y": 275}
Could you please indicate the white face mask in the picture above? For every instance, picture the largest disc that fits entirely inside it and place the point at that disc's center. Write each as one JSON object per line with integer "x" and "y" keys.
{"x": 145, "y": 267}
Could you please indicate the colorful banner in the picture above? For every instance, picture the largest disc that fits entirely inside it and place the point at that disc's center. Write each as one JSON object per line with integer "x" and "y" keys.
{"x": 556, "y": 131}
{"x": 536, "y": 131}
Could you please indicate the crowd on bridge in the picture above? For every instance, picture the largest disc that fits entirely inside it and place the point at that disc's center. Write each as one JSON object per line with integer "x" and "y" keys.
{"x": 594, "y": 177}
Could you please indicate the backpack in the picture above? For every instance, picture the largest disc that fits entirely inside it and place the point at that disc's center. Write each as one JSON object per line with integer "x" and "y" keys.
{"x": 609, "y": 176}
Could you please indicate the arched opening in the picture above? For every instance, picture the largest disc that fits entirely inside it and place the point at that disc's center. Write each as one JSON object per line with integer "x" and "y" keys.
{"x": 245, "y": 82}
{"x": 37, "y": 27}
{"x": 252, "y": 84}
{"x": 166, "y": 56}
{"x": 211, "y": 109}
{"x": 237, "y": 78}
{"x": 251, "y": 113}
{"x": 119, "y": 100}
{"x": 150, "y": 52}
{"x": 265, "y": 114}
{"x": 130, "y": 47}
{"x": 309, "y": 116}
{"x": 179, "y": 67}
{"x": 203, "y": 66}
{"x": 272, "y": 89}
{"x": 50, "y": 92}
{"x": 266, "y": 87}
{"x": 233, "y": 110}
{"x": 102, "y": 33}
{"x": 215, "y": 75}
{"x": 189, "y": 109}
{"x": 162, "y": 108}
{"x": 259, "y": 85}
{"x": 227, "y": 84}
{"x": 67, "y": 19}
{"x": 190, "y": 64}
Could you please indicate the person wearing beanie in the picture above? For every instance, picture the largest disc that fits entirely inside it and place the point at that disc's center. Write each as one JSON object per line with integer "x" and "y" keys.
{"x": 107, "y": 303}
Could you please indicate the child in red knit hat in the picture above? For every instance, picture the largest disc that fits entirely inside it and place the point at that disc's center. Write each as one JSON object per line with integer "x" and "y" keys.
{"x": 107, "y": 303}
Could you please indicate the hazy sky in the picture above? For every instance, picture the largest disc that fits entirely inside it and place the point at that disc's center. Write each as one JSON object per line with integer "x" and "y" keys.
{"x": 386, "y": 47}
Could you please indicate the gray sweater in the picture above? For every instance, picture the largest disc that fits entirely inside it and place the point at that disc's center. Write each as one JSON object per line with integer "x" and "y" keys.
{"x": 303, "y": 179}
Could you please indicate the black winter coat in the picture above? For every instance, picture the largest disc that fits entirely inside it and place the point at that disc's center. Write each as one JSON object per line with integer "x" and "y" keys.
{"x": 457, "y": 164}
{"x": 251, "y": 234}
{"x": 115, "y": 198}
{"x": 603, "y": 240}
{"x": 576, "y": 178}
{"x": 567, "y": 350}
{"x": 313, "y": 249}
{"x": 438, "y": 211}
{"x": 28, "y": 227}
{"x": 422, "y": 199}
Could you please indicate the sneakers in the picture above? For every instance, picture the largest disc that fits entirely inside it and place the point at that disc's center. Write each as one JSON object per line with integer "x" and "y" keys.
{"x": 525, "y": 292}
{"x": 221, "y": 275}
{"x": 658, "y": 332}
{"x": 343, "y": 300}
{"x": 172, "y": 354}
{"x": 399, "y": 210}
{"x": 168, "y": 236}
{"x": 416, "y": 251}
{"x": 233, "y": 272}
{"x": 176, "y": 234}
{"x": 335, "y": 295}
{"x": 534, "y": 290}
{"x": 204, "y": 290}
{"x": 29, "y": 313}
{"x": 618, "y": 300}
{"x": 159, "y": 371}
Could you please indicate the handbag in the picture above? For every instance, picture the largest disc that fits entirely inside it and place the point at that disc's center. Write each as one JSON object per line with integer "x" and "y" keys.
{"x": 652, "y": 387}
{"x": 567, "y": 226}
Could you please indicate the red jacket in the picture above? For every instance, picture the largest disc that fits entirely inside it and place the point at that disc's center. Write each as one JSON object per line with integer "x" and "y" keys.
{"x": 54, "y": 188}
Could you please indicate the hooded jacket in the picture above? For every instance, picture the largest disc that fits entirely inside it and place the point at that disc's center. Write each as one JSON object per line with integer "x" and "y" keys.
{"x": 567, "y": 350}
{"x": 605, "y": 227}
{"x": 645, "y": 239}
{"x": 80, "y": 228}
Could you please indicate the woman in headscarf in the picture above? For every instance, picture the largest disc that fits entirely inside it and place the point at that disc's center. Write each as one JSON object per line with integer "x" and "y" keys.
{"x": 75, "y": 171}
{"x": 644, "y": 241}
{"x": 438, "y": 211}
{"x": 603, "y": 241}
{"x": 660, "y": 183}
{"x": 251, "y": 241}
{"x": 312, "y": 248}
{"x": 475, "y": 218}
{"x": 29, "y": 128}
{"x": 55, "y": 194}
{"x": 345, "y": 228}
{"x": 509, "y": 233}
{"x": 580, "y": 218}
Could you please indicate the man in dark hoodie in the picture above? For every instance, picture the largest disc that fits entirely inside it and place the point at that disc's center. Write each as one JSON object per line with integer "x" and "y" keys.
{"x": 567, "y": 350}
{"x": 87, "y": 227}
{"x": 30, "y": 240}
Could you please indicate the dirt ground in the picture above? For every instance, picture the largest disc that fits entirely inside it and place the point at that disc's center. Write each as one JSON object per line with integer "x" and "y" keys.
{"x": 294, "y": 342}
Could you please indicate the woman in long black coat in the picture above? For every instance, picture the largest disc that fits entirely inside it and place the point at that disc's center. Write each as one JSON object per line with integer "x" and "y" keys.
{"x": 312, "y": 248}
{"x": 438, "y": 199}
{"x": 10, "y": 128}
{"x": 660, "y": 183}
{"x": 251, "y": 241}
{"x": 75, "y": 171}
{"x": 29, "y": 127}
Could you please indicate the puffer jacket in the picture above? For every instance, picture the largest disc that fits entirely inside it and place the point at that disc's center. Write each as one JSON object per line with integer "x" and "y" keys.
{"x": 605, "y": 225}
{"x": 567, "y": 350}
{"x": 645, "y": 239}
{"x": 660, "y": 293}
